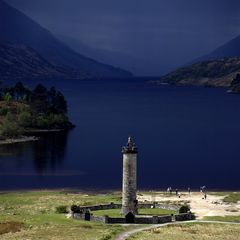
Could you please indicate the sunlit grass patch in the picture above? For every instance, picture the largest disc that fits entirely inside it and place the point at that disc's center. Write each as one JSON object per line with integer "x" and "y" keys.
{"x": 232, "y": 197}
{"x": 36, "y": 210}
{"x": 191, "y": 231}
{"x": 223, "y": 218}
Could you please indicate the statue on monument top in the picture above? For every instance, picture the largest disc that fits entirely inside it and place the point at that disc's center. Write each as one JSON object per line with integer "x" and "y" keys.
{"x": 130, "y": 147}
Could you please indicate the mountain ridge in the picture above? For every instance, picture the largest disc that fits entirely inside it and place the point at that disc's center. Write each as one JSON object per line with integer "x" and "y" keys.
{"x": 17, "y": 28}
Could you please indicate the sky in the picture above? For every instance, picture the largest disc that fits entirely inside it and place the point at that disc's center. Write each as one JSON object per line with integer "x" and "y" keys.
{"x": 164, "y": 33}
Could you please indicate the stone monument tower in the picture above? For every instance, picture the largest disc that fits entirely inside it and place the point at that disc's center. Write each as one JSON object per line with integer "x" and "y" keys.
{"x": 129, "y": 181}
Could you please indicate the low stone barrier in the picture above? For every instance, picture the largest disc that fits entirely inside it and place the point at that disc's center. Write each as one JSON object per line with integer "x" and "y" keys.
{"x": 164, "y": 219}
{"x": 184, "y": 217}
{"x": 101, "y": 207}
{"x": 116, "y": 220}
{"x": 87, "y": 216}
{"x": 122, "y": 220}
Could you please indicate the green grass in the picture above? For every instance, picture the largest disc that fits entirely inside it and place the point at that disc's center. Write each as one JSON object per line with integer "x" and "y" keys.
{"x": 143, "y": 211}
{"x": 192, "y": 231}
{"x": 35, "y": 213}
{"x": 223, "y": 218}
{"x": 232, "y": 197}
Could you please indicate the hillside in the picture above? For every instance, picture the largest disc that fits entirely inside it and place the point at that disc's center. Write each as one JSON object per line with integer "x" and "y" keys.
{"x": 21, "y": 62}
{"x": 133, "y": 64}
{"x": 207, "y": 73}
{"x": 229, "y": 49}
{"x": 18, "y": 29}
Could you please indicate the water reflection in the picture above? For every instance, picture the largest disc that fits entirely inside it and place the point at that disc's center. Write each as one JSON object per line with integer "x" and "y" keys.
{"x": 16, "y": 149}
{"x": 49, "y": 152}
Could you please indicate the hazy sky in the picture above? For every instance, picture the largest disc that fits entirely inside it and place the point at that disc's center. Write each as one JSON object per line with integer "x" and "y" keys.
{"x": 166, "y": 33}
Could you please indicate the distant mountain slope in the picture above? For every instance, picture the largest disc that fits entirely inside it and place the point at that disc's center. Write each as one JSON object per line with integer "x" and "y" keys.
{"x": 17, "y": 28}
{"x": 17, "y": 62}
{"x": 125, "y": 61}
{"x": 219, "y": 72}
{"x": 230, "y": 49}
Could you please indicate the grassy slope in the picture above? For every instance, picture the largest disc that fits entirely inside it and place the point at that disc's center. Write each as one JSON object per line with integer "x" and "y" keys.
{"x": 37, "y": 211}
{"x": 194, "y": 231}
{"x": 232, "y": 198}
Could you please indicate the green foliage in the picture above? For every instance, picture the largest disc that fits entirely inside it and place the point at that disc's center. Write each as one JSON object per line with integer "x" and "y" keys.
{"x": 184, "y": 209}
{"x": 3, "y": 111}
{"x": 48, "y": 121}
{"x": 25, "y": 118}
{"x": 75, "y": 209}
{"x": 7, "y": 97}
{"x": 40, "y": 108}
{"x": 10, "y": 127}
{"x": 61, "y": 209}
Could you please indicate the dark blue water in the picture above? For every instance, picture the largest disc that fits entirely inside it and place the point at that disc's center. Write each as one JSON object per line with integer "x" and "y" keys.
{"x": 187, "y": 136}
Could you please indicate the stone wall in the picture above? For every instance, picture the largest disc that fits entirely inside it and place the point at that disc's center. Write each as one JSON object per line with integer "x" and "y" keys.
{"x": 158, "y": 205}
{"x": 122, "y": 220}
{"x": 119, "y": 206}
{"x": 184, "y": 217}
{"x": 101, "y": 207}
{"x": 85, "y": 215}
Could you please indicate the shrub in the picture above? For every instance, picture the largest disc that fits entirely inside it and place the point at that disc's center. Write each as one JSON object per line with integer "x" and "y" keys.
{"x": 75, "y": 209}
{"x": 10, "y": 127}
{"x": 3, "y": 111}
{"x": 61, "y": 209}
{"x": 25, "y": 118}
{"x": 184, "y": 209}
{"x": 7, "y": 97}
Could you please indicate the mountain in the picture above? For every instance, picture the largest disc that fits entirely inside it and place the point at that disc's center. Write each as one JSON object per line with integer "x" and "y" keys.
{"x": 133, "y": 64}
{"x": 220, "y": 72}
{"x": 22, "y": 62}
{"x": 18, "y": 29}
{"x": 229, "y": 49}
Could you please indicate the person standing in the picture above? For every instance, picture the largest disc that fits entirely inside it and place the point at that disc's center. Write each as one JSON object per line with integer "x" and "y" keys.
{"x": 205, "y": 195}
{"x": 189, "y": 190}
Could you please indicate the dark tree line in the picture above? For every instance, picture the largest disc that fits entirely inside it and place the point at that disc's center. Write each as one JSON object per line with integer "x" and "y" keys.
{"x": 40, "y": 98}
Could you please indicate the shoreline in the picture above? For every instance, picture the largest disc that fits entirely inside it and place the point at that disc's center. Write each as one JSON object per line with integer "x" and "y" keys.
{"x": 27, "y": 138}
{"x": 109, "y": 191}
{"x": 18, "y": 140}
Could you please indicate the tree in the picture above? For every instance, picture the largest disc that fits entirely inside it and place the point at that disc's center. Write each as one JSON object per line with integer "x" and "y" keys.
{"x": 60, "y": 103}
{"x": 19, "y": 91}
{"x": 39, "y": 100}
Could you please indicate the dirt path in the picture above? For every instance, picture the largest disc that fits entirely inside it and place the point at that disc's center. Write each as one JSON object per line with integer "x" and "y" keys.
{"x": 125, "y": 235}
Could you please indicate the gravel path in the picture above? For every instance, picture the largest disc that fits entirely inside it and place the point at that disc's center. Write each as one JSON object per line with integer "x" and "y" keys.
{"x": 125, "y": 235}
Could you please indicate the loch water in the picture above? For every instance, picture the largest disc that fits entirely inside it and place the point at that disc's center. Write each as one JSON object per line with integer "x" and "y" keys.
{"x": 187, "y": 137}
